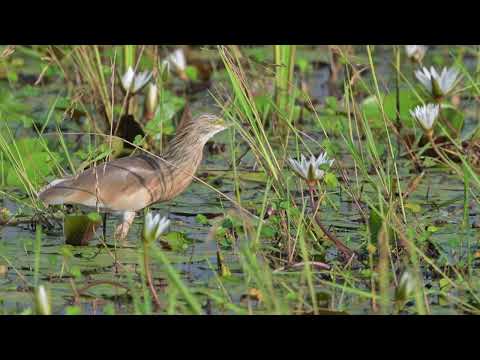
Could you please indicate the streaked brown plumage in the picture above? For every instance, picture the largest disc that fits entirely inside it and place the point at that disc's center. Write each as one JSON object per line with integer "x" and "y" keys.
{"x": 130, "y": 184}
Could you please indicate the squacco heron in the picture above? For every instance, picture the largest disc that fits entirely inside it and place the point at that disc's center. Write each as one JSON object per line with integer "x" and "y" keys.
{"x": 129, "y": 184}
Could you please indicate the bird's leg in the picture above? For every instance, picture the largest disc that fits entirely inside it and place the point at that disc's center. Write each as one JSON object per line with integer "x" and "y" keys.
{"x": 104, "y": 227}
{"x": 122, "y": 229}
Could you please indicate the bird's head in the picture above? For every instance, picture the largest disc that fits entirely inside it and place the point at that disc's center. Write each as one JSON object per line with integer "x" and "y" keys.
{"x": 206, "y": 126}
{"x": 193, "y": 133}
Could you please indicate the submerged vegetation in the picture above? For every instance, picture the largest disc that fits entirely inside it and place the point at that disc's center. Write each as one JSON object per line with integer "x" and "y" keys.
{"x": 347, "y": 182}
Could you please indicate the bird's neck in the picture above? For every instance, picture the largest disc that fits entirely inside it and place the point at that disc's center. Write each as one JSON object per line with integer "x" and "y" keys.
{"x": 185, "y": 151}
{"x": 178, "y": 165}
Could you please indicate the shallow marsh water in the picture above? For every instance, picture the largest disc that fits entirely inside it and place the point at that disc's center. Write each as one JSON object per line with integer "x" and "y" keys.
{"x": 197, "y": 262}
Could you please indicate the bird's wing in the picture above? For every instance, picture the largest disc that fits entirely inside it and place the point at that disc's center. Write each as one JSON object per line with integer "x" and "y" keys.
{"x": 122, "y": 184}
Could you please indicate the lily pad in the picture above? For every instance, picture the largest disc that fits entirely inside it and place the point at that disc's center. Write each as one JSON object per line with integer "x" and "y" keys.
{"x": 373, "y": 112}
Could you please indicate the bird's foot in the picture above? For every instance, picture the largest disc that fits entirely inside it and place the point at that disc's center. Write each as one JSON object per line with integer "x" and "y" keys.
{"x": 122, "y": 229}
{"x": 121, "y": 233}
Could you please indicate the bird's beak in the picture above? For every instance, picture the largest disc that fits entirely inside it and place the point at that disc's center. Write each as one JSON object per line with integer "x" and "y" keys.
{"x": 221, "y": 122}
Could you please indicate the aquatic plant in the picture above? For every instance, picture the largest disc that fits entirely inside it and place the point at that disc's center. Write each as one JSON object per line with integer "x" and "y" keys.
{"x": 151, "y": 101}
{"x": 438, "y": 85}
{"x": 311, "y": 170}
{"x": 426, "y": 116}
{"x": 42, "y": 301}
{"x": 133, "y": 82}
{"x": 178, "y": 62}
{"x": 153, "y": 227}
{"x": 284, "y": 58}
{"x": 416, "y": 53}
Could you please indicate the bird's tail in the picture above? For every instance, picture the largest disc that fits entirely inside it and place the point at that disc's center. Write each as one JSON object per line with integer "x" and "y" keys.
{"x": 51, "y": 195}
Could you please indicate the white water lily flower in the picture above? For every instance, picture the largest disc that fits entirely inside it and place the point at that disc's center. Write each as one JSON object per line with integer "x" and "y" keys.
{"x": 426, "y": 115}
{"x": 177, "y": 59}
{"x": 127, "y": 78}
{"x": 42, "y": 301}
{"x": 309, "y": 170}
{"x": 164, "y": 70}
{"x": 135, "y": 82}
{"x": 438, "y": 85}
{"x": 153, "y": 227}
{"x": 416, "y": 52}
{"x": 151, "y": 101}
{"x": 406, "y": 286}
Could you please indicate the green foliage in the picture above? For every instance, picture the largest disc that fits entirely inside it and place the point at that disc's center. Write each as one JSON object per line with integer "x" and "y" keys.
{"x": 413, "y": 207}
{"x": 202, "y": 219}
{"x": 268, "y": 232}
{"x": 75, "y": 272}
{"x": 331, "y": 105}
{"x": 304, "y": 65}
{"x": 454, "y": 121}
{"x": 162, "y": 123}
{"x": 109, "y": 309}
{"x": 259, "y": 54}
{"x": 94, "y": 217}
{"x": 177, "y": 241}
{"x": 66, "y": 251}
{"x": 331, "y": 180}
{"x": 12, "y": 110}
{"x": 129, "y": 56}
{"x": 264, "y": 105}
{"x": 9, "y": 69}
{"x": 28, "y": 161}
{"x": 73, "y": 310}
{"x": 191, "y": 72}
{"x": 284, "y": 57}
{"x": 372, "y": 111}
{"x": 375, "y": 223}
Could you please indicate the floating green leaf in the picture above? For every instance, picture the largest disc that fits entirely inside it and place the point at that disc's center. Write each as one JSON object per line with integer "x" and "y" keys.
{"x": 202, "y": 219}
{"x": 373, "y": 113}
